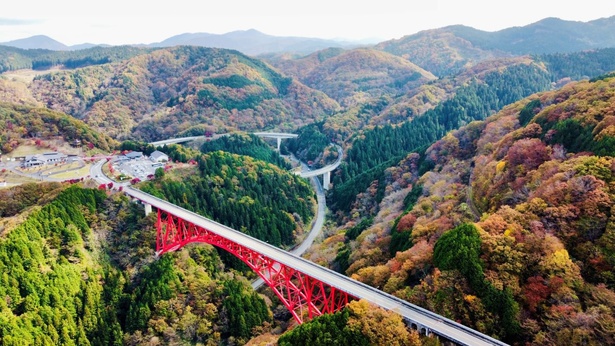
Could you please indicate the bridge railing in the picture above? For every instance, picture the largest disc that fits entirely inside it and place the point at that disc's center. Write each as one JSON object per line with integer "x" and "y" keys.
{"x": 435, "y": 323}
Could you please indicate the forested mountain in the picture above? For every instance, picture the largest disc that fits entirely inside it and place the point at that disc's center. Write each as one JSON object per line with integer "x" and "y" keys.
{"x": 79, "y": 270}
{"x": 78, "y": 264}
{"x": 457, "y": 43}
{"x": 377, "y": 135}
{"x": 134, "y": 92}
{"x": 478, "y": 185}
{"x": 248, "y": 145}
{"x": 251, "y": 42}
{"x": 397, "y": 106}
{"x": 381, "y": 104}
{"x": 22, "y": 123}
{"x": 351, "y": 77}
{"x": 36, "y": 42}
{"x": 13, "y": 58}
{"x": 447, "y": 50}
{"x": 504, "y": 225}
{"x": 439, "y": 51}
{"x": 16, "y": 91}
{"x": 159, "y": 94}
{"x": 378, "y": 148}
{"x": 550, "y": 35}
{"x": 243, "y": 193}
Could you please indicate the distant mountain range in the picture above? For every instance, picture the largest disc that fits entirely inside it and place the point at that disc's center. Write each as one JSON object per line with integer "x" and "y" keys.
{"x": 549, "y": 35}
{"x": 250, "y": 42}
{"x": 253, "y": 42}
{"x": 46, "y": 42}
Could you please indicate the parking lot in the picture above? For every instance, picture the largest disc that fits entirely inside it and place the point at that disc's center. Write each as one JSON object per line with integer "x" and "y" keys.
{"x": 139, "y": 168}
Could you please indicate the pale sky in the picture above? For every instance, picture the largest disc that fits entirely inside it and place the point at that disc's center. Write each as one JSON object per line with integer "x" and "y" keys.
{"x": 137, "y": 21}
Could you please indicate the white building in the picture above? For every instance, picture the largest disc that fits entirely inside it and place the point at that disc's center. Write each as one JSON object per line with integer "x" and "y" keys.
{"x": 158, "y": 156}
{"x": 134, "y": 155}
{"x": 32, "y": 161}
{"x": 43, "y": 159}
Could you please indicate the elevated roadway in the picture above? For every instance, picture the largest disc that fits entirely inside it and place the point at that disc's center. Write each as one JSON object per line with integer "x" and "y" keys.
{"x": 422, "y": 318}
{"x": 175, "y": 140}
{"x": 277, "y": 135}
{"x": 324, "y": 171}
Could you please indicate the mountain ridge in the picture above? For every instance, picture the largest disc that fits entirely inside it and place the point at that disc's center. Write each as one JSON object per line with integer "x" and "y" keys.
{"x": 548, "y": 35}
{"x": 459, "y": 45}
{"x": 249, "y": 41}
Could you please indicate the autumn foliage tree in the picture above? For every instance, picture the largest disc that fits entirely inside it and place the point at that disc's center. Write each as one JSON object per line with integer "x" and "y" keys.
{"x": 360, "y": 323}
{"x": 459, "y": 249}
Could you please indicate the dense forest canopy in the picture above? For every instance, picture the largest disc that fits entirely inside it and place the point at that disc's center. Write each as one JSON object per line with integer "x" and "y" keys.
{"x": 84, "y": 298}
{"x": 166, "y": 91}
{"x": 25, "y": 122}
{"x": 475, "y": 101}
{"x": 248, "y": 145}
{"x": 506, "y": 226}
{"x": 246, "y": 194}
{"x": 12, "y": 58}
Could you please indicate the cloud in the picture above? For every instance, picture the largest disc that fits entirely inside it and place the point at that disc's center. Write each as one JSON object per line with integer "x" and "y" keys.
{"x": 14, "y": 22}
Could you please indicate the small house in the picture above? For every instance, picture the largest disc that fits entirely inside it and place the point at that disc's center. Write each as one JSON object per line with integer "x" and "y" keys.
{"x": 134, "y": 155}
{"x": 32, "y": 161}
{"x": 158, "y": 156}
{"x": 43, "y": 159}
{"x": 53, "y": 157}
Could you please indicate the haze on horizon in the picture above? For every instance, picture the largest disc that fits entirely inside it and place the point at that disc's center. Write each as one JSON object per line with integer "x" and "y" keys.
{"x": 119, "y": 22}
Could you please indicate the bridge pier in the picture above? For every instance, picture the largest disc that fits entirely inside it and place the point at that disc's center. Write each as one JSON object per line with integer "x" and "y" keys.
{"x": 148, "y": 208}
{"x": 421, "y": 329}
{"x": 277, "y": 135}
{"x": 326, "y": 180}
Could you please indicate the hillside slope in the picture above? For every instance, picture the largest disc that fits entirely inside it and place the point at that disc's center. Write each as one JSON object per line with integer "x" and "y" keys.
{"x": 530, "y": 191}
{"x": 439, "y": 51}
{"x": 353, "y": 76}
{"x": 167, "y": 91}
{"x": 22, "y": 122}
{"x": 446, "y": 50}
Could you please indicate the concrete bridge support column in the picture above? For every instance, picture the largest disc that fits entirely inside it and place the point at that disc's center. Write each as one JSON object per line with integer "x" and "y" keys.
{"x": 279, "y": 143}
{"x": 326, "y": 180}
{"x": 423, "y": 330}
{"x": 148, "y": 208}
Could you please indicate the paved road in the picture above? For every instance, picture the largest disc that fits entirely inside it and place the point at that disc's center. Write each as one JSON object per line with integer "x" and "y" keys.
{"x": 97, "y": 174}
{"x": 318, "y": 222}
{"x": 329, "y": 168}
{"x": 276, "y": 135}
{"x": 317, "y": 225}
{"x": 176, "y": 140}
{"x": 39, "y": 175}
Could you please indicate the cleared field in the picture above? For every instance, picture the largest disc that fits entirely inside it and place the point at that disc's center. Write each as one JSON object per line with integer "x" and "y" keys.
{"x": 73, "y": 174}
{"x": 26, "y": 75}
{"x": 58, "y": 145}
{"x": 26, "y": 149}
{"x": 13, "y": 179}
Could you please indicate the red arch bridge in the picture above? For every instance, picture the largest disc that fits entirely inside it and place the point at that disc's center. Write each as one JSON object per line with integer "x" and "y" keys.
{"x": 305, "y": 288}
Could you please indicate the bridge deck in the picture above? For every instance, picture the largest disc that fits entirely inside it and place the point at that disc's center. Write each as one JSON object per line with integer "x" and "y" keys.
{"x": 435, "y": 323}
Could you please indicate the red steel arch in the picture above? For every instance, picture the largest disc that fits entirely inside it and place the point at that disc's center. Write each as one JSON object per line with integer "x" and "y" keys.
{"x": 303, "y": 295}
